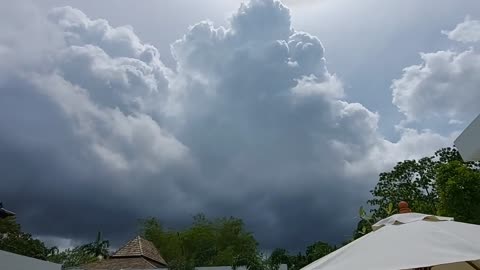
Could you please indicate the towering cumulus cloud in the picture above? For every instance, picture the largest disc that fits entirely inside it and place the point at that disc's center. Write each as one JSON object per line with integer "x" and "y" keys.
{"x": 97, "y": 131}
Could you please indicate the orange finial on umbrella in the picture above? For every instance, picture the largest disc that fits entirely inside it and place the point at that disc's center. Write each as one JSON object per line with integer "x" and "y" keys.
{"x": 403, "y": 207}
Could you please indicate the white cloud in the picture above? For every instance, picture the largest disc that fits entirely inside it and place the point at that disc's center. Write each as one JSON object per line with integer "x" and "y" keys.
{"x": 113, "y": 102}
{"x": 444, "y": 85}
{"x": 80, "y": 30}
{"x": 332, "y": 87}
{"x": 122, "y": 141}
{"x": 466, "y": 32}
{"x": 384, "y": 154}
{"x": 444, "y": 88}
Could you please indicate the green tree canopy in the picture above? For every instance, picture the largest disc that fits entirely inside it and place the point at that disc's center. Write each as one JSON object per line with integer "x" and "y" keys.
{"x": 280, "y": 256}
{"x": 12, "y": 239}
{"x": 458, "y": 186}
{"x": 413, "y": 181}
{"x": 83, "y": 254}
{"x": 312, "y": 253}
{"x": 72, "y": 257}
{"x": 97, "y": 248}
{"x": 441, "y": 184}
{"x": 317, "y": 250}
{"x": 205, "y": 243}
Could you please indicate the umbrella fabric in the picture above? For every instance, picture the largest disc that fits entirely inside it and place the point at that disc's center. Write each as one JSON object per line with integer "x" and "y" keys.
{"x": 409, "y": 241}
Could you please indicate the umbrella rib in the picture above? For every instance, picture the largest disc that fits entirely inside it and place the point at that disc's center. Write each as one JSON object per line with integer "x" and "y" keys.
{"x": 474, "y": 266}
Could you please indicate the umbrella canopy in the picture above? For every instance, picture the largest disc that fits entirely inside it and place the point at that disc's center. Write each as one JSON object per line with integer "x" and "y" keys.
{"x": 467, "y": 143}
{"x": 409, "y": 241}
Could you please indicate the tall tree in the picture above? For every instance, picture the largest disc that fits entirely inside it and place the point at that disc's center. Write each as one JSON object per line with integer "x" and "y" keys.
{"x": 168, "y": 242}
{"x": 205, "y": 243}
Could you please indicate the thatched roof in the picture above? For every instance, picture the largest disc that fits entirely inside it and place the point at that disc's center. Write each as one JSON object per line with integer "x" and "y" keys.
{"x": 140, "y": 247}
{"x": 138, "y": 253}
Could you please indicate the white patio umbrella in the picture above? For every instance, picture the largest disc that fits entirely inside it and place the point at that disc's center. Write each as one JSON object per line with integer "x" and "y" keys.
{"x": 409, "y": 241}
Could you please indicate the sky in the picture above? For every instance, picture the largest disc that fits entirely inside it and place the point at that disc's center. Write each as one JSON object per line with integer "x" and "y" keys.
{"x": 282, "y": 114}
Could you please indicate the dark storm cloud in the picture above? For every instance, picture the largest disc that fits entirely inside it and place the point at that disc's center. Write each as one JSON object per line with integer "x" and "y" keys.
{"x": 98, "y": 132}
{"x": 48, "y": 176}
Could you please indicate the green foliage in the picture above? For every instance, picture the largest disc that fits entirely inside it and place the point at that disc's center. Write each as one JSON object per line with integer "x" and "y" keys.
{"x": 294, "y": 262}
{"x": 72, "y": 257}
{"x": 364, "y": 226}
{"x": 458, "y": 188}
{"x": 298, "y": 261}
{"x": 80, "y": 255}
{"x": 12, "y": 239}
{"x": 413, "y": 181}
{"x": 9, "y": 225}
{"x": 253, "y": 261}
{"x": 440, "y": 185}
{"x": 205, "y": 243}
{"x": 98, "y": 248}
{"x": 279, "y": 256}
{"x": 222, "y": 242}
{"x": 318, "y": 250}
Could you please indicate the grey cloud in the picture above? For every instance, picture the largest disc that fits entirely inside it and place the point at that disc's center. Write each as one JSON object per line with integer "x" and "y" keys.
{"x": 251, "y": 124}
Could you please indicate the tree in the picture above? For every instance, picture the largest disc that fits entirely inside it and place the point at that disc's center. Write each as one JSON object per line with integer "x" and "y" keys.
{"x": 440, "y": 185}
{"x": 81, "y": 255}
{"x": 200, "y": 242}
{"x": 252, "y": 261}
{"x": 458, "y": 186}
{"x": 313, "y": 252}
{"x": 234, "y": 242}
{"x": 98, "y": 248}
{"x": 298, "y": 261}
{"x": 280, "y": 256}
{"x": 72, "y": 257}
{"x": 205, "y": 243}
{"x": 364, "y": 226}
{"x": 317, "y": 250}
{"x": 413, "y": 181}
{"x": 168, "y": 242}
{"x": 12, "y": 239}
